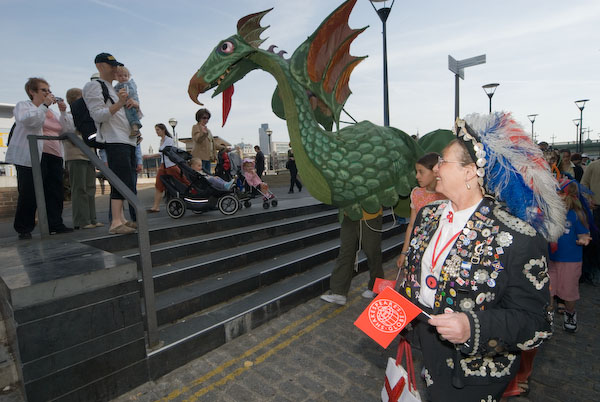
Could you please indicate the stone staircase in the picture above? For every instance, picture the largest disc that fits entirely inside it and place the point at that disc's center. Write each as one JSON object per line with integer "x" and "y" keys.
{"x": 219, "y": 278}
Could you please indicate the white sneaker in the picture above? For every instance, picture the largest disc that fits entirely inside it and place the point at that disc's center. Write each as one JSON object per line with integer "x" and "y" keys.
{"x": 368, "y": 294}
{"x": 333, "y": 298}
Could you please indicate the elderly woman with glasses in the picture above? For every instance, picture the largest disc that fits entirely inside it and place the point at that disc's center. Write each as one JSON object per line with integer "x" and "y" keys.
{"x": 477, "y": 262}
{"x": 204, "y": 145}
{"x": 34, "y": 116}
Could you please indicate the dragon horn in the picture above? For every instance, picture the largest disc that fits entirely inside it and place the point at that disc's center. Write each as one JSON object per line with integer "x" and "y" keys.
{"x": 249, "y": 28}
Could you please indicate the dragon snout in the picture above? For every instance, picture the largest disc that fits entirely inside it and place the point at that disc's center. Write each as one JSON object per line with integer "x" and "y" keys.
{"x": 196, "y": 87}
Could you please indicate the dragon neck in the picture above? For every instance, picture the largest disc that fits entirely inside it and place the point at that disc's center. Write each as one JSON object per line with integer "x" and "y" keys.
{"x": 304, "y": 131}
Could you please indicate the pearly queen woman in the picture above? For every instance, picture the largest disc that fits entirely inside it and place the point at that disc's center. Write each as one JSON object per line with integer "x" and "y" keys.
{"x": 477, "y": 261}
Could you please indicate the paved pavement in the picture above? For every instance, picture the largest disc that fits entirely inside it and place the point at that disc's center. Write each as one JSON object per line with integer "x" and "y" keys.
{"x": 315, "y": 353}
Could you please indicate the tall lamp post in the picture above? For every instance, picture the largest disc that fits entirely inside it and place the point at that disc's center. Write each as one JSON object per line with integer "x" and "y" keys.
{"x": 532, "y": 120}
{"x": 269, "y": 132}
{"x": 576, "y": 122}
{"x": 489, "y": 91}
{"x": 383, "y": 14}
{"x": 580, "y": 104}
{"x": 173, "y": 123}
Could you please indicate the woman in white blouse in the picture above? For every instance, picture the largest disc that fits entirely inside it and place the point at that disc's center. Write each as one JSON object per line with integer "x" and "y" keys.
{"x": 30, "y": 117}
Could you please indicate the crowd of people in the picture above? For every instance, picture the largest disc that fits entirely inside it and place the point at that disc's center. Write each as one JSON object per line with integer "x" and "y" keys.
{"x": 115, "y": 113}
{"x": 493, "y": 251}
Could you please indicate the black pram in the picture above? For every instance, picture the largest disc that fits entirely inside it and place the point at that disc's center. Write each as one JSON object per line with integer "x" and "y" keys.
{"x": 199, "y": 196}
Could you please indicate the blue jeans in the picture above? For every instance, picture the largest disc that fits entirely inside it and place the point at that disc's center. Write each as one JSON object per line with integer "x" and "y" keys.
{"x": 206, "y": 166}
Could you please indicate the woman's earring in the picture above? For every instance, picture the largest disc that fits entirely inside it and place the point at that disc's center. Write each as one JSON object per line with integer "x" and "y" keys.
{"x": 468, "y": 186}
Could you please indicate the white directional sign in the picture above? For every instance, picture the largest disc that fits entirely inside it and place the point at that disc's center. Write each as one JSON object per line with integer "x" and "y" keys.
{"x": 458, "y": 66}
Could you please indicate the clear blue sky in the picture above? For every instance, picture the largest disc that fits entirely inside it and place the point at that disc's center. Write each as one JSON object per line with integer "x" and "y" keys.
{"x": 544, "y": 54}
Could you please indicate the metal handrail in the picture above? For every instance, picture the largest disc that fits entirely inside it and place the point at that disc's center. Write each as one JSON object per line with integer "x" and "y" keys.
{"x": 142, "y": 219}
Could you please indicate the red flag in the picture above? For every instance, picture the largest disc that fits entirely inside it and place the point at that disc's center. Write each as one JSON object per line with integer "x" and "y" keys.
{"x": 386, "y": 316}
{"x": 227, "y": 94}
{"x": 381, "y": 284}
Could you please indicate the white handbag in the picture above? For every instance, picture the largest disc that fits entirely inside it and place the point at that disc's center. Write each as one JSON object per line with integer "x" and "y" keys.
{"x": 400, "y": 384}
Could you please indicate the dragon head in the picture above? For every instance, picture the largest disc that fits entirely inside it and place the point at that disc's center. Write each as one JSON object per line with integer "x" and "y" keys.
{"x": 229, "y": 61}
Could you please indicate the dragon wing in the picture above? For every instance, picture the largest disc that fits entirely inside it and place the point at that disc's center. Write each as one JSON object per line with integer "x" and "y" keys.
{"x": 323, "y": 64}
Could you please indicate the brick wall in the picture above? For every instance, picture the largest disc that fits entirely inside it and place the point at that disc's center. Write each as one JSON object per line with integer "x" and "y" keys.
{"x": 8, "y": 201}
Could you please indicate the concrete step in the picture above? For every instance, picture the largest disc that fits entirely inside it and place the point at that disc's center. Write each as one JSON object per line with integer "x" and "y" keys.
{"x": 174, "y": 230}
{"x": 178, "y": 302}
{"x": 197, "y": 334}
{"x": 171, "y": 251}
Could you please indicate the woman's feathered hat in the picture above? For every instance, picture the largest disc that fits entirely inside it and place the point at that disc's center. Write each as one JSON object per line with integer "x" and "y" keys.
{"x": 512, "y": 168}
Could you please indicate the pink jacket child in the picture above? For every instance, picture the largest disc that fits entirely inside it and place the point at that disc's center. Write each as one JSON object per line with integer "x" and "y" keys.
{"x": 252, "y": 178}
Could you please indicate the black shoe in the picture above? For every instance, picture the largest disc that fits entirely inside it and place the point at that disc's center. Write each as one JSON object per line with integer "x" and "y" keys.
{"x": 25, "y": 236}
{"x": 60, "y": 230}
{"x": 300, "y": 189}
{"x": 291, "y": 192}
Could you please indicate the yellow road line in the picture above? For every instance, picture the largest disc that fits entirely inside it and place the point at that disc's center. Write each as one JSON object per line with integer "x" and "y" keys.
{"x": 174, "y": 394}
{"x": 266, "y": 355}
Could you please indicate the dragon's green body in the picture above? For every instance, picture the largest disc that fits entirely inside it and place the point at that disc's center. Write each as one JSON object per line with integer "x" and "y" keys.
{"x": 357, "y": 168}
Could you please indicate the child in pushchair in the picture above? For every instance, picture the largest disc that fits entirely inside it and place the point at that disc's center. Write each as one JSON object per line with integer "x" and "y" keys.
{"x": 252, "y": 180}
{"x": 202, "y": 194}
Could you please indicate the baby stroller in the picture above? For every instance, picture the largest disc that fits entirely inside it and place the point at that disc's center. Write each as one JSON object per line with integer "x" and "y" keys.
{"x": 199, "y": 196}
{"x": 251, "y": 181}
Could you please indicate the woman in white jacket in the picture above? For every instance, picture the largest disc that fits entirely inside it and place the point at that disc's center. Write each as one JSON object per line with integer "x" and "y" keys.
{"x": 30, "y": 117}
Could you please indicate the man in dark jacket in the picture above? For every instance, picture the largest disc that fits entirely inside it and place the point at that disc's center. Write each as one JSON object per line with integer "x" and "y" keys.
{"x": 259, "y": 161}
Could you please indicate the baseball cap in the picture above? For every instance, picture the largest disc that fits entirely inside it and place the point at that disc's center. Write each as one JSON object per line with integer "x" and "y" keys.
{"x": 107, "y": 58}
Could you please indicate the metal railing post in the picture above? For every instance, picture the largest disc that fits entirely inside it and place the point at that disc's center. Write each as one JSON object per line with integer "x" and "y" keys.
{"x": 130, "y": 196}
{"x": 38, "y": 185}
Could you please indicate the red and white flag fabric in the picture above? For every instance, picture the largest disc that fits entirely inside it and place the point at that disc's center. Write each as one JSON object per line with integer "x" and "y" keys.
{"x": 381, "y": 284}
{"x": 386, "y": 316}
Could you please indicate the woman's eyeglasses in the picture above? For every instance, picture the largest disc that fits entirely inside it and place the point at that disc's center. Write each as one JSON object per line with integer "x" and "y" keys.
{"x": 441, "y": 161}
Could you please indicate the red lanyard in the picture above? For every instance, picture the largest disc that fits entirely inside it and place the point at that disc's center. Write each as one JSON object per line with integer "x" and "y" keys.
{"x": 435, "y": 259}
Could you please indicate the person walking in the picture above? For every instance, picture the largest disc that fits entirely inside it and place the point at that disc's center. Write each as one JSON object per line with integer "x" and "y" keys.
{"x": 259, "y": 161}
{"x": 291, "y": 166}
{"x": 167, "y": 167}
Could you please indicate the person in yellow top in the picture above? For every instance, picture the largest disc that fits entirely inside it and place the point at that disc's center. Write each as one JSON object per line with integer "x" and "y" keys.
{"x": 367, "y": 234}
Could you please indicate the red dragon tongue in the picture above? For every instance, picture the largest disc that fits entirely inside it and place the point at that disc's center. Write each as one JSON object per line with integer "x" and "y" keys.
{"x": 227, "y": 95}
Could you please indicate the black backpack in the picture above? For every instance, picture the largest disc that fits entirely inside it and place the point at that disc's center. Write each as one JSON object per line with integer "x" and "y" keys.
{"x": 84, "y": 122}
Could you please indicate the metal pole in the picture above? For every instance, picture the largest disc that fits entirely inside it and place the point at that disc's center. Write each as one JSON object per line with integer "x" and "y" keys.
{"x": 386, "y": 105}
{"x": 581, "y": 130}
{"x": 490, "y": 103}
{"x": 532, "y": 136}
{"x": 456, "y": 96}
{"x": 38, "y": 186}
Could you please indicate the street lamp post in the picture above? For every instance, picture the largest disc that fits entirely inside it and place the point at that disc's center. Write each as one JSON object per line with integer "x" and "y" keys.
{"x": 581, "y": 104}
{"x": 383, "y": 14}
{"x": 576, "y": 122}
{"x": 173, "y": 123}
{"x": 489, "y": 91}
{"x": 532, "y": 120}
{"x": 269, "y": 132}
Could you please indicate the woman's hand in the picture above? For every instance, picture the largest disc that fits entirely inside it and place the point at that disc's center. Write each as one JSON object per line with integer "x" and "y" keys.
{"x": 62, "y": 106}
{"x": 454, "y": 327}
{"x": 400, "y": 260}
{"x": 49, "y": 100}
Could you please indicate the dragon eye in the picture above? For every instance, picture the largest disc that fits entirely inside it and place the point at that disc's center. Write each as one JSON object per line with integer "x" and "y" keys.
{"x": 226, "y": 47}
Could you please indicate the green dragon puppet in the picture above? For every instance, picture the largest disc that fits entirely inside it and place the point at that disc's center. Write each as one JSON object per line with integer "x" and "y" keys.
{"x": 358, "y": 167}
